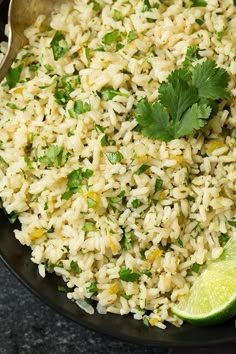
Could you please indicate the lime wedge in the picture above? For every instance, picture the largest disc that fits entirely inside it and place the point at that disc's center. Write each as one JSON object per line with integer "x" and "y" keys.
{"x": 212, "y": 297}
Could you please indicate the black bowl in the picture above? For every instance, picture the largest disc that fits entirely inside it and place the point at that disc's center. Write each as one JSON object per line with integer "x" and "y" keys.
{"x": 17, "y": 259}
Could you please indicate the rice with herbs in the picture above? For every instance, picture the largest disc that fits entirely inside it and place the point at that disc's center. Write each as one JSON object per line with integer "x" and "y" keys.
{"x": 122, "y": 218}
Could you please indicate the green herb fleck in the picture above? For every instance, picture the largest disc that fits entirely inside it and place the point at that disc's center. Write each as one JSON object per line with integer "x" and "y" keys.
{"x": 108, "y": 93}
{"x": 126, "y": 241}
{"x": 158, "y": 185}
{"x": 196, "y": 267}
{"x": 59, "y": 45}
{"x": 147, "y": 273}
{"x": 13, "y": 75}
{"x": 74, "y": 267}
{"x": 142, "y": 169}
{"x": 126, "y": 274}
{"x": 131, "y": 36}
{"x": 111, "y": 37}
{"x": 52, "y": 153}
{"x": 232, "y": 223}
{"x": 92, "y": 288}
{"x": 223, "y": 239}
{"x": 114, "y": 157}
{"x": 117, "y": 15}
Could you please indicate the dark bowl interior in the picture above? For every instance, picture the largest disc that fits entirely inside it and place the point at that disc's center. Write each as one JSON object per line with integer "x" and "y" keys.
{"x": 17, "y": 258}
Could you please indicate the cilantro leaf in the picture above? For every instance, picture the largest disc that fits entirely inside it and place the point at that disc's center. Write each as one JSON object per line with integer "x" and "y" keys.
{"x": 232, "y": 223}
{"x": 52, "y": 153}
{"x": 59, "y": 45}
{"x": 74, "y": 267}
{"x": 141, "y": 169}
{"x": 92, "y": 288}
{"x": 126, "y": 274}
{"x": 80, "y": 107}
{"x": 131, "y": 36}
{"x": 13, "y": 75}
{"x": 126, "y": 241}
{"x": 154, "y": 120}
{"x": 74, "y": 183}
{"x": 114, "y": 157}
{"x": 192, "y": 55}
{"x": 210, "y": 80}
{"x": 187, "y": 100}
{"x": 198, "y": 3}
{"x": 113, "y": 36}
{"x": 158, "y": 185}
{"x": 194, "y": 118}
{"x": 108, "y": 93}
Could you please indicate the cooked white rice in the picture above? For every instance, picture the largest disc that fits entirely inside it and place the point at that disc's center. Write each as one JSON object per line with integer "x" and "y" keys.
{"x": 171, "y": 230}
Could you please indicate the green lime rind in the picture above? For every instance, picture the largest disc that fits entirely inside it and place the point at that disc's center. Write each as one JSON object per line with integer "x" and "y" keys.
{"x": 212, "y": 298}
{"x": 213, "y": 318}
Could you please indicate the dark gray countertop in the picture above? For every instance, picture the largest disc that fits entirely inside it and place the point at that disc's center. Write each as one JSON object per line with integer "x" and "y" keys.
{"x": 29, "y": 327}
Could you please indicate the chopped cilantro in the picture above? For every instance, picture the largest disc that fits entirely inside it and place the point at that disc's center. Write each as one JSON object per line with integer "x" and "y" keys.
{"x": 88, "y": 226}
{"x": 126, "y": 274}
{"x": 104, "y": 140}
{"x": 192, "y": 54}
{"x": 114, "y": 157}
{"x": 92, "y": 288}
{"x": 158, "y": 185}
{"x": 117, "y": 199}
{"x": 108, "y": 93}
{"x": 146, "y": 321}
{"x": 119, "y": 46}
{"x": 196, "y": 267}
{"x": 52, "y": 153}
{"x": 131, "y": 36}
{"x": 91, "y": 202}
{"x": 14, "y": 107}
{"x": 87, "y": 52}
{"x": 126, "y": 241}
{"x": 219, "y": 35}
{"x": 141, "y": 169}
{"x": 223, "y": 239}
{"x": 185, "y": 103}
{"x": 98, "y": 128}
{"x": 74, "y": 183}
{"x": 117, "y": 15}
{"x": 200, "y": 21}
{"x": 3, "y": 162}
{"x": 135, "y": 203}
{"x": 74, "y": 267}
{"x": 198, "y": 3}
{"x": 13, "y": 75}
{"x": 96, "y": 6}
{"x": 49, "y": 69}
{"x": 190, "y": 198}
{"x": 125, "y": 296}
{"x": 232, "y": 223}
{"x": 61, "y": 289}
{"x": 147, "y": 273}
{"x": 13, "y": 216}
{"x": 80, "y": 107}
{"x": 111, "y": 37}
{"x": 142, "y": 254}
{"x": 34, "y": 67}
{"x": 180, "y": 242}
{"x": 59, "y": 45}
{"x": 87, "y": 173}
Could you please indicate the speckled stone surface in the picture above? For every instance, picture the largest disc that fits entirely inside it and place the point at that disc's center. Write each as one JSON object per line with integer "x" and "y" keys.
{"x": 29, "y": 327}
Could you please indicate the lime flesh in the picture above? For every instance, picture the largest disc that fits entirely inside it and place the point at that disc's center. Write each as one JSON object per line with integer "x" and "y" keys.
{"x": 212, "y": 297}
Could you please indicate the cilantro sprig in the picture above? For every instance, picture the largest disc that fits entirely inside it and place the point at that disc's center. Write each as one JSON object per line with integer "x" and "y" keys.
{"x": 187, "y": 100}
